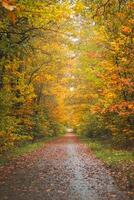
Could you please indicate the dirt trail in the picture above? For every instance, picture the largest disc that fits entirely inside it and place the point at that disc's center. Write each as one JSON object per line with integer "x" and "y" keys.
{"x": 63, "y": 169}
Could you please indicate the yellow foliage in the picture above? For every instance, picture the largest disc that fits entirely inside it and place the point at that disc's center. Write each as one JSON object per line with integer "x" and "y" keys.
{"x": 79, "y": 7}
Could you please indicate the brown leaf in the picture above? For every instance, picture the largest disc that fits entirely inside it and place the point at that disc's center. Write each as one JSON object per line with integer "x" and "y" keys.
{"x": 6, "y": 4}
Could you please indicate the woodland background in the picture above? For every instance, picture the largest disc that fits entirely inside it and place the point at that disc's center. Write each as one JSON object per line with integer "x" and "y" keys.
{"x": 66, "y": 64}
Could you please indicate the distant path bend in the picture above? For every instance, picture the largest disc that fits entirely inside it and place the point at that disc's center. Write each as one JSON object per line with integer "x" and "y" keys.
{"x": 64, "y": 169}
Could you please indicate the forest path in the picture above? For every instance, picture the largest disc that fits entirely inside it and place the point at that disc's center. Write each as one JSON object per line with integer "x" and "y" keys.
{"x": 64, "y": 169}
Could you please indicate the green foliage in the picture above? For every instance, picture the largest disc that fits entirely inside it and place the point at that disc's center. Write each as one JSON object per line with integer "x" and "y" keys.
{"x": 120, "y": 162}
{"x": 47, "y": 48}
{"x": 26, "y": 148}
{"x": 93, "y": 127}
{"x": 29, "y": 69}
{"x": 103, "y": 95}
{"x": 105, "y": 152}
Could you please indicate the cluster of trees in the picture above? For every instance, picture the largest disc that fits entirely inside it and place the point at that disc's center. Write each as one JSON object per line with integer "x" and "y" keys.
{"x": 66, "y": 63}
{"x": 102, "y": 100}
{"x": 32, "y": 70}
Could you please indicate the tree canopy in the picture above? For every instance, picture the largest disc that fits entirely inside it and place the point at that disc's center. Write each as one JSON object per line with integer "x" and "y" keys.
{"x": 66, "y": 63}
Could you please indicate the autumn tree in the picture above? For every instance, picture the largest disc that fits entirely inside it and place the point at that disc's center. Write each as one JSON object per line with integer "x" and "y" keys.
{"x": 30, "y": 34}
{"x": 108, "y": 71}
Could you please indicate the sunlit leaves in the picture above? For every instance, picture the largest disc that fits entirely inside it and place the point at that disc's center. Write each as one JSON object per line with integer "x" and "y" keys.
{"x": 105, "y": 70}
{"x": 66, "y": 64}
{"x": 9, "y": 5}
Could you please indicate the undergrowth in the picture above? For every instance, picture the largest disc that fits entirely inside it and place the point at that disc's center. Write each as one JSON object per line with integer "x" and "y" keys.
{"x": 119, "y": 161}
{"x": 22, "y": 150}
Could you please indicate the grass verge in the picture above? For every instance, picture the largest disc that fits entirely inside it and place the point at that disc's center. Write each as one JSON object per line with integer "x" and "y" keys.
{"x": 22, "y": 150}
{"x": 120, "y": 163}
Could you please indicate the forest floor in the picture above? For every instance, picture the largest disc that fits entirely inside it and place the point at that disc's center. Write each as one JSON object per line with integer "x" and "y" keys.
{"x": 62, "y": 169}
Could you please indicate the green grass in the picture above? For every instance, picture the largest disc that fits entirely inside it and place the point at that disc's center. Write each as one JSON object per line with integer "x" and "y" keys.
{"x": 120, "y": 162}
{"x": 22, "y": 150}
{"x": 108, "y": 154}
